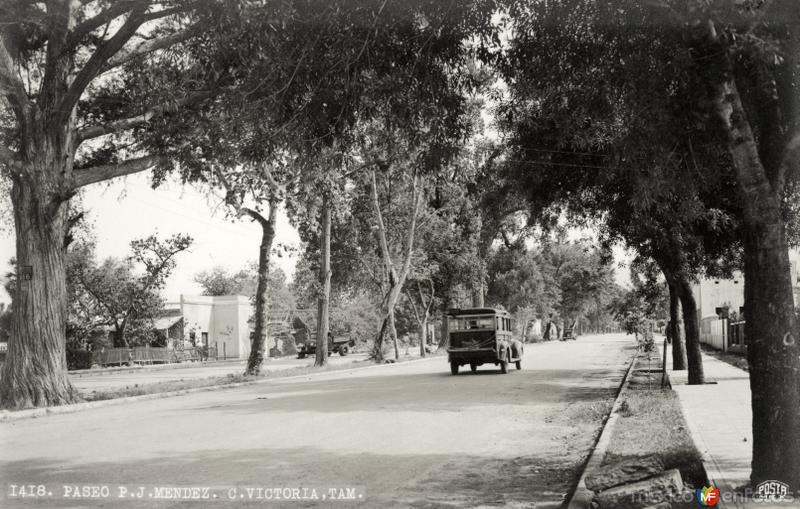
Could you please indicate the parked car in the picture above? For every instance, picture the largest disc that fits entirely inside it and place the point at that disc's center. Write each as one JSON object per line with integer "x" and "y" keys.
{"x": 482, "y": 336}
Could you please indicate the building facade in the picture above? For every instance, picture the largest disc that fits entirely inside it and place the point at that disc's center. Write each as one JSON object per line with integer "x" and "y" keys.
{"x": 713, "y": 294}
{"x": 217, "y": 321}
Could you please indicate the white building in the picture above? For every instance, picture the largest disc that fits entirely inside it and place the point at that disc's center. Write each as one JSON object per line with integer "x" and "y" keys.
{"x": 220, "y": 321}
{"x": 710, "y": 294}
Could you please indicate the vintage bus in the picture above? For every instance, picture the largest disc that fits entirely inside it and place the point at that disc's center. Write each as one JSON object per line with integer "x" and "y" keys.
{"x": 482, "y": 336}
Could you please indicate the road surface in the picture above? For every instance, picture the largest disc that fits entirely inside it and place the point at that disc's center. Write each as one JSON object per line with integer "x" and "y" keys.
{"x": 404, "y": 435}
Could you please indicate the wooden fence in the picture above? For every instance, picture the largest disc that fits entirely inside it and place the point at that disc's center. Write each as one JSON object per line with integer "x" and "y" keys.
{"x": 723, "y": 334}
{"x": 150, "y": 355}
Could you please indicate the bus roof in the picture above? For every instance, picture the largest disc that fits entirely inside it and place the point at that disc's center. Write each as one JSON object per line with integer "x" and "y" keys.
{"x": 477, "y": 311}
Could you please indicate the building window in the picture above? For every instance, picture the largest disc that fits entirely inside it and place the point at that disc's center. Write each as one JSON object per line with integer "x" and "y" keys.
{"x": 204, "y": 338}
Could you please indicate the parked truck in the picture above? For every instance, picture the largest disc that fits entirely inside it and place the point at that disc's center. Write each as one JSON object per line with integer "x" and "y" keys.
{"x": 336, "y": 344}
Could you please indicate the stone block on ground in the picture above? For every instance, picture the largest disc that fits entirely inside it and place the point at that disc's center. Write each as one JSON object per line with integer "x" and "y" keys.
{"x": 623, "y": 472}
{"x": 662, "y": 505}
{"x": 664, "y": 487}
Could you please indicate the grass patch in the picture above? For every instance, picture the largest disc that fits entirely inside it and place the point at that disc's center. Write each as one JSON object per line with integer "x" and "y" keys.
{"x": 651, "y": 423}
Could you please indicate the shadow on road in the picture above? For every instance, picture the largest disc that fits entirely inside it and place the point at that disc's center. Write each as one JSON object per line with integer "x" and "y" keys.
{"x": 437, "y": 392}
{"x": 419, "y": 481}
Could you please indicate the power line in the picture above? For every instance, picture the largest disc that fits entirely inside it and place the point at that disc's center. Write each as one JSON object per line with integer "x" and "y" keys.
{"x": 555, "y": 151}
{"x": 186, "y": 216}
{"x": 570, "y": 165}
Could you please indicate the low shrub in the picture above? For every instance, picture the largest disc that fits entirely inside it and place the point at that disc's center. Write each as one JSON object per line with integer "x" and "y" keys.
{"x": 78, "y": 359}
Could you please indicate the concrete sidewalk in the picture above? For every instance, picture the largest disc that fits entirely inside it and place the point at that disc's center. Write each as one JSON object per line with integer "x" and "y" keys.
{"x": 720, "y": 419}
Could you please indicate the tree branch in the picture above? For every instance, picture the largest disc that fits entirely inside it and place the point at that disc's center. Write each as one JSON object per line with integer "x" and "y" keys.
{"x": 276, "y": 187}
{"x": 96, "y": 62}
{"x": 9, "y": 158}
{"x": 10, "y": 84}
{"x": 264, "y": 222}
{"x": 95, "y": 174}
{"x": 430, "y": 301}
{"x": 106, "y": 16}
{"x": 95, "y": 131}
{"x": 273, "y": 209}
{"x": 413, "y": 306}
{"x": 150, "y": 46}
{"x": 409, "y": 248}
{"x": 153, "y": 274}
{"x": 387, "y": 259}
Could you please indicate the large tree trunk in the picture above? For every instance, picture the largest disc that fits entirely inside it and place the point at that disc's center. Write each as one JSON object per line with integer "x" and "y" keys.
{"x": 259, "y": 341}
{"x": 692, "y": 327}
{"x": 393, "y": 331}
{"x": 35, "y": 372}
{"x": 325, "y": 284}
{"x": 773, "y": 352}
{"x": 377, "y": 345}
{"x": 674, "y": 332}
{"x": 477, "y": 295}
{"x": 771, "y": 329}
{"x": 118, "y": 336}
{"x": 547, "y": 330}
{"x": 444, "y": 336}
{"x": 672, "y": 262}
{"x": 387, "y": 321}
{"x": 423, "y": 335}
{"x": 396, "y": 279}
{"x": 773, "y": 356}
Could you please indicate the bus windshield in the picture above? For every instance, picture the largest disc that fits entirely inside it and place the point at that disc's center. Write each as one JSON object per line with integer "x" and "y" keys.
{"x": 456, "y": 323}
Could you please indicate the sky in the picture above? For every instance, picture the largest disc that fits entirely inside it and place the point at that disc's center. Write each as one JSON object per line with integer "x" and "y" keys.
{"x": 127, "y": 209}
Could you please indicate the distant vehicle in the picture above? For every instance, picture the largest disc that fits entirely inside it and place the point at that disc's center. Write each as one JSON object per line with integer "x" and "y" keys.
{"x": 482, "y": 336}
{"x": 336, "y": 344}
{"x": 569, "y": 333}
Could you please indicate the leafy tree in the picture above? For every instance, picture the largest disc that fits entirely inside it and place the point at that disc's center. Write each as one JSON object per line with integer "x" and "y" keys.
{"x": 696, "y": 105}
{"x": 421, "y": 300}
{"x": 56, "y": 61}
{"x": 639, "y": 307}
{"x": 335, "y": 67}
{"x": 629, "y": 309}
{"x": 580, "y": 273}
{"x": 112, "y": 293}
{"x": 557, "y": 281}
{"x": 521, "y": 281}
{"x": 84, "y": 316}
{"x": 220, "y": 281}
{"x": 747, "y": 57}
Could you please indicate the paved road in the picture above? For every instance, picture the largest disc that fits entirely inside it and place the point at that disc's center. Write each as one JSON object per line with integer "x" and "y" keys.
{"x": 106, "y": 380}
{"x": 404, "y": 435}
